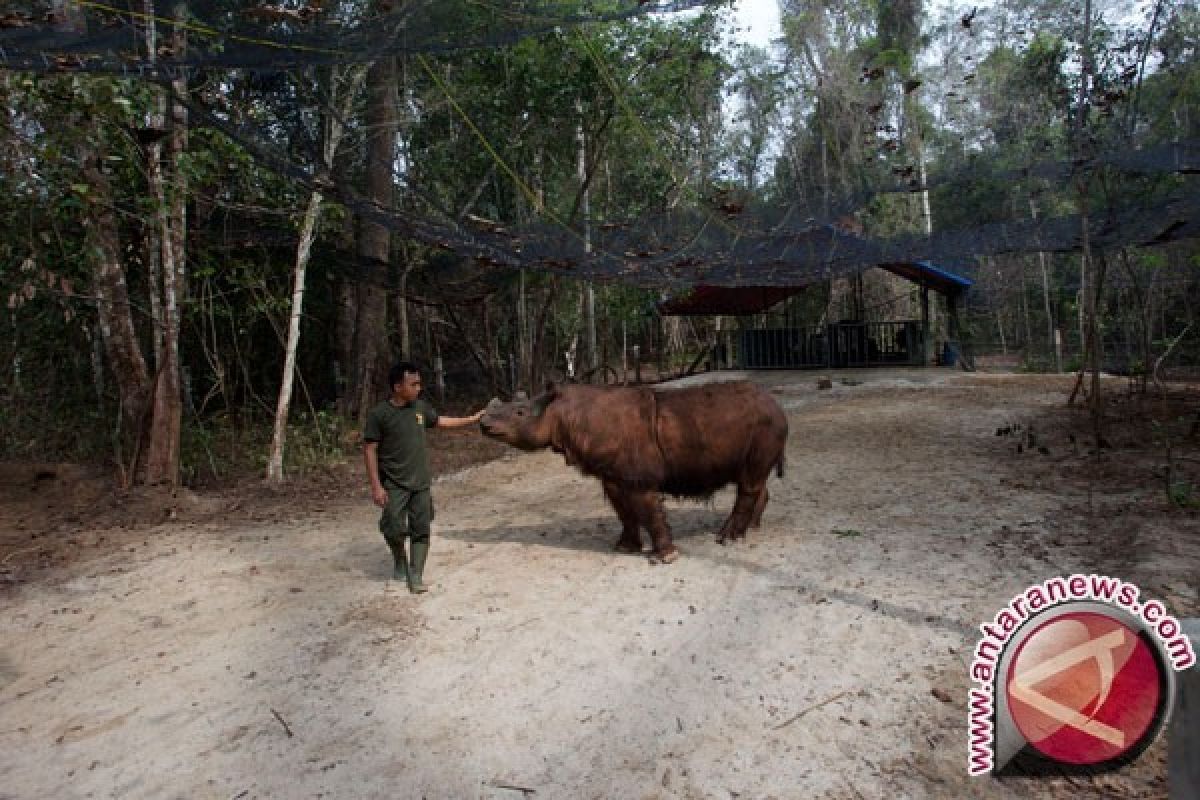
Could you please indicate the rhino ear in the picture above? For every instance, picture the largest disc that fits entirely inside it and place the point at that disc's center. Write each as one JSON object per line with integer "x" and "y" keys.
{"x": 521, "y": 397}
{"x": 493, "y": 404}
{"x": 548, "y": 397}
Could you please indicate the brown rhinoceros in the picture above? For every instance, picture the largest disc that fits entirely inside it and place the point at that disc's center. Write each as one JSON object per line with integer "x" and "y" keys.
{"x": 642, "y": 442}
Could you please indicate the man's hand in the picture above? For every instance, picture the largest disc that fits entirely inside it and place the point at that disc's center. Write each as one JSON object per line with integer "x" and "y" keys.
{"x": 371, "y": 458}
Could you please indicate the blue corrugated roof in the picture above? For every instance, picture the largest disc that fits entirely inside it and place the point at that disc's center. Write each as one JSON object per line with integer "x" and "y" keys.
{"x": 926, "y": 274}
{"x": 950, "y": 276}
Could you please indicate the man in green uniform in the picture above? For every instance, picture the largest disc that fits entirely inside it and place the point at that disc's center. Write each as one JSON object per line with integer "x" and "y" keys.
{"x": 398, "y": 469}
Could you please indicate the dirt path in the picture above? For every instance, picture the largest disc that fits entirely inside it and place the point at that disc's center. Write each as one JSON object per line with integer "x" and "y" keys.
{"x": 243, "y": 660}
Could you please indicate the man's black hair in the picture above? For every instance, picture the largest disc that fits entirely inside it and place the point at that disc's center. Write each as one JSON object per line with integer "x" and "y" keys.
{"x": 396, "y": 374}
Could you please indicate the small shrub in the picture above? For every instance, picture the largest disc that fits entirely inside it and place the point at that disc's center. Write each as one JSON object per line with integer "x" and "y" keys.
{"x": 219, "y": 448}
{"x": 315, "y": 441}
{"x": 1183, "y": 494}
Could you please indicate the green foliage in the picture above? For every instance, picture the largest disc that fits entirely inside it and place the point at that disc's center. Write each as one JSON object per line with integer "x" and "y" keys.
{"x": 639, "y": 93}
{"x": 1181, "y": 490}
{"x": 898, "y": 60}
{"x": 1183, "y": 494}
{"x": 48, "y": 428}
{"x": 220, "y": 449}
{"x": 1040, "y": 67}
{"x": 206, "y": 456}
{"x": 317, "y": 440}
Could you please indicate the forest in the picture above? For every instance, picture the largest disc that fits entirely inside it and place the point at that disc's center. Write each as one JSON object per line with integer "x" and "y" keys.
{"x": 221, "y": 222}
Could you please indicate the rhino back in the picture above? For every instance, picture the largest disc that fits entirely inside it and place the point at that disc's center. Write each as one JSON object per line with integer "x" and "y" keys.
{"x": 717, "y": 434}
{"x": 609, "y": 433}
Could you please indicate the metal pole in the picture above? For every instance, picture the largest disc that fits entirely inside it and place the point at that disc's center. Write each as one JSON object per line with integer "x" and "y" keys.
{"x": 925, "y": 331}
{"x": 624, "y": 349}
{"x": 439, "y": 378}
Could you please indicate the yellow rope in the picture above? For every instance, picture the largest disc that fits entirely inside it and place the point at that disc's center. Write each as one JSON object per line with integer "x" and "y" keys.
{"x": 530, "y": 195}
{"x": 652, "y": 142}
{"x": 622, "y": 101}
{"x": 202, "y": 29}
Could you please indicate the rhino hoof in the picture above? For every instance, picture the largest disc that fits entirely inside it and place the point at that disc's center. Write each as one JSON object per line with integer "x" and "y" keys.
{"x": 669, "y": 557}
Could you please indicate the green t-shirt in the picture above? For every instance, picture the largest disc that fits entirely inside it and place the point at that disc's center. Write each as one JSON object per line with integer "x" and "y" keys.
{"x": 400, "y": 432}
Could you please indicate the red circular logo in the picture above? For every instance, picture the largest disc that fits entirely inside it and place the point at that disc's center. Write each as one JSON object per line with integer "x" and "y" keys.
{"x": 1084, "y": 688}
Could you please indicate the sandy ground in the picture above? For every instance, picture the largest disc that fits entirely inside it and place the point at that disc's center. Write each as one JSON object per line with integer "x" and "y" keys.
{"x": 235, "y": 658}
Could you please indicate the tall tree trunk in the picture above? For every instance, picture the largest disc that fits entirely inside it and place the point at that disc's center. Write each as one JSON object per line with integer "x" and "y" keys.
{"x": 1050, "y": 339}
{"x": 374, "y": 240}
{"x": 538, "y": 348}
{"x": 303, "y": 248}
{"x": 524, "y": 343}
{"x": 588, "y": 298}
{"x": 1087, "y": 262}
{"x": 162, "y": 451}
{"x": 114, "y": 313}
{"x": 491, "y": 344}
{"x": 482, "y": 359}
{"x": 1025, "y": 306}
{"x": 308, "y": 230}
{"x": 1147, "y": 319}
{"x": 400, "y": 309}
{"x": 347, "y": 321}
{"x": 1090, "y": 289}
{"x": 403, "y": 310}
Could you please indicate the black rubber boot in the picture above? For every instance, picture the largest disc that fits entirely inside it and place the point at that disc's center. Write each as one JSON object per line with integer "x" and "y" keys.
{"x": 400, "y": 570}
{"x": 420, "y": 551}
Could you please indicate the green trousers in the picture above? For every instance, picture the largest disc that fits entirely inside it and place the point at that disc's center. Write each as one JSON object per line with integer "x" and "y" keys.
{"x": 408, "y": 514}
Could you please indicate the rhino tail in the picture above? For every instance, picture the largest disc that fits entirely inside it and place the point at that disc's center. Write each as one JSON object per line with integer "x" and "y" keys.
{"x": 780, "y": 464}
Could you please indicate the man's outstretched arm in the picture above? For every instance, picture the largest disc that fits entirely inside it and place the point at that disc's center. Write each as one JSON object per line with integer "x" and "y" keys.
{"x": 459, "y": 422}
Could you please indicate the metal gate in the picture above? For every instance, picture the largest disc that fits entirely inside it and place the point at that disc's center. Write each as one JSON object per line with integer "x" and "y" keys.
{"x": 842, "y": 344}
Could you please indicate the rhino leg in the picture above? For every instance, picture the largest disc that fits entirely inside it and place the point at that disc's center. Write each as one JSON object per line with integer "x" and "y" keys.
{"x": 653, "y": 517}
{"x": 748, "y": 499}
{"x": 759, "y": 505}
{"x": 631, "y": 537}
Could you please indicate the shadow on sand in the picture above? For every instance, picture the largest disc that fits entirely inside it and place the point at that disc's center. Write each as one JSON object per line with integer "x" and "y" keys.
{"x": 695, "y": 529}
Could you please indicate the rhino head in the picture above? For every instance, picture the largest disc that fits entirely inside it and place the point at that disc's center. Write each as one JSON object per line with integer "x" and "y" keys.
{"x": 520, "y": 422}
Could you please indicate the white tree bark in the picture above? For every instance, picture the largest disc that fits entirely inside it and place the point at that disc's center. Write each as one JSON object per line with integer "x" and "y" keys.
{"x": 1051, "y": 333}
{"x": 334, "y": 128}
{"x": 585, "y": 209}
